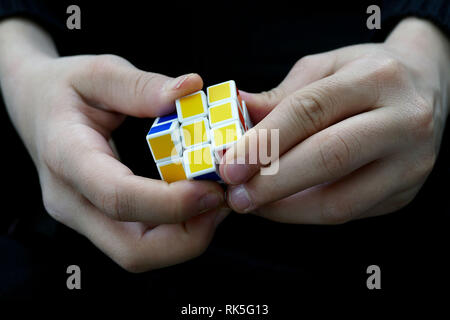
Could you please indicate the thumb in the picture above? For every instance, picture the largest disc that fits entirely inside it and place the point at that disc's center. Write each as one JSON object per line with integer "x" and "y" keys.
{"x": 114, "y": 84}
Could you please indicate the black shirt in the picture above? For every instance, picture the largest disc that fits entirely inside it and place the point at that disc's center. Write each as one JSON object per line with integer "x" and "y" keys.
{"x": 250, "y": 259}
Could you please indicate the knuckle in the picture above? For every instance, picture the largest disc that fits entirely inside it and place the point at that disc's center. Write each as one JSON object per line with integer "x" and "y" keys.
{"x": 430, "y": 161}
{"x": 307, "y": 112}
{"x": 421, "y": 118}
{"x": 52, "y": 161}
{"x": 272, "y": 96}
{"x": 387, "y": 69}
{"x": 198, "y": 244}
{"x": 53, "y": 153}
{"x": 116, "y": 204}
{"x": 335, "y": 154}
{"x": 176, "y": 204}
{"x": 181, "y": 199}
{"x": 307, "y": 62}
{"x": 51, "y": 204}
{"x": 132, "y": 262}
{"x": 403, "y": 201}
{"x": 103, "y": 64}
{"x": 415, "y": 172}
{"x": 338, "y": 212}
{"x": 178, "y": 209}
{"x": 106, "y": 60}
{"x": 140, "y": 82}
{"x": 426, "y": 165}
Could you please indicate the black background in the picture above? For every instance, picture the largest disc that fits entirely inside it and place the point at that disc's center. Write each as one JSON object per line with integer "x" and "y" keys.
{"x": 251, "y": 260}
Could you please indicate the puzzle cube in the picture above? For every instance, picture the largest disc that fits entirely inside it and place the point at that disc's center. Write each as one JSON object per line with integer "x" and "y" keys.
{"x": 225, "y": 111}
{"x": 225, "y": 135}
{"x": 199, "y": 163}
{"x": 189, "y": 144}
{"x": 192, "y": 106}
{"x": 164, "y": 140}
{"x": 195, "y": 132}
{"x": 171, "y": 170}
{"x": 222, "y": 91}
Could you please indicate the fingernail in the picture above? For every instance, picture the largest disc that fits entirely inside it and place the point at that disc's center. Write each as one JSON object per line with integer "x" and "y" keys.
{"x": 210, "y": 201}
{"x": 236, "y": 173}
{"x": 176, "y": 83}
{"x": 240, "y": 199}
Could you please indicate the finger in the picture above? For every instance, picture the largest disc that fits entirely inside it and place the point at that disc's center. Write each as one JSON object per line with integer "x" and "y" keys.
{"x": 114, "y": 84}
{"x": 302, "y": 114}
{"x": 88, "y": 164}
{"x": 137, "y": 247}
{"x": 323, "y": 157}
{"x": 305, "y": 71}
{"x": 339, "y": 201}
{"x": 392, "y": 204}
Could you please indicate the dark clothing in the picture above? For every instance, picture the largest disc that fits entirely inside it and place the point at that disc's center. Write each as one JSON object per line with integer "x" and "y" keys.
{"x": 250, "y": 259}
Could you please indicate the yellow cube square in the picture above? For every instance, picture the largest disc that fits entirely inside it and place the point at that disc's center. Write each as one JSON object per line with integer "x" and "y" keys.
{"x": 222, "y": 91}
{"x": 192, "y": 106}
{"x": 195, "y": 132}
{"x": 199, "y": 161}
{"x": 164, "y": 141}
{"x": 225, "y": 111}
{"x": 222, "y": 137}
{"x": 172, "y": 170}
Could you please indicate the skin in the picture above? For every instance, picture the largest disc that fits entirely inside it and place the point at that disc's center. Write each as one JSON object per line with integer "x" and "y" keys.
{"x": 360, "y": 128}
{"x": 140, "y": 223}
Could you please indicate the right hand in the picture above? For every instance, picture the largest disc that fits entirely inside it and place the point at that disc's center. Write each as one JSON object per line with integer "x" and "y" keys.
{"x": 65, "y": 110}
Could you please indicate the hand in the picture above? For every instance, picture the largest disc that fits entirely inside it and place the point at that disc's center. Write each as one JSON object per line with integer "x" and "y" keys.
{"x": 65, "y": 110}
{"x": 359, "y": 131}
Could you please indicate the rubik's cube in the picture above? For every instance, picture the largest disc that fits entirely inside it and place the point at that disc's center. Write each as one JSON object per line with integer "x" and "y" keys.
{"x": 189, "y": 144}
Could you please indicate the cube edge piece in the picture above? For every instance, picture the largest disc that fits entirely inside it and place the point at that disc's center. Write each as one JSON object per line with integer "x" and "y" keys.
{"x": 204, "y": 102}
{"x": 222, "y": 102}
{"x": 189, "y": 174}
{"x": 174, "y": 132}
{"x": 233, "y": 91}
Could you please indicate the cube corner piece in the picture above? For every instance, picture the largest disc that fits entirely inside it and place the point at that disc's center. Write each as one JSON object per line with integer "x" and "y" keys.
{"x": 200, "y": 163}
{"x": 222, "y": 91}
{"x": 172, "y": 170}
{"x": 192, "y": 106}
{"x": 164, "y": 141}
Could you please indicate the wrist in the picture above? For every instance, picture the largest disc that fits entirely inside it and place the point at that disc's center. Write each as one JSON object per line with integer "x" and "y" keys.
{"x": 23, "y": 43}
{"x": 426, "y": 49}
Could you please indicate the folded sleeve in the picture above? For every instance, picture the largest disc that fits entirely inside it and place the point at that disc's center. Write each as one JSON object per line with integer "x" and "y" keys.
{"x": 392, "y": 12}
{"x": 45, "y": 13}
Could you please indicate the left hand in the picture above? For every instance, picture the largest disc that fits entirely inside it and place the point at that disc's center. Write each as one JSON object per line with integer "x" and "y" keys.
{"x": 359, "y": 129}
